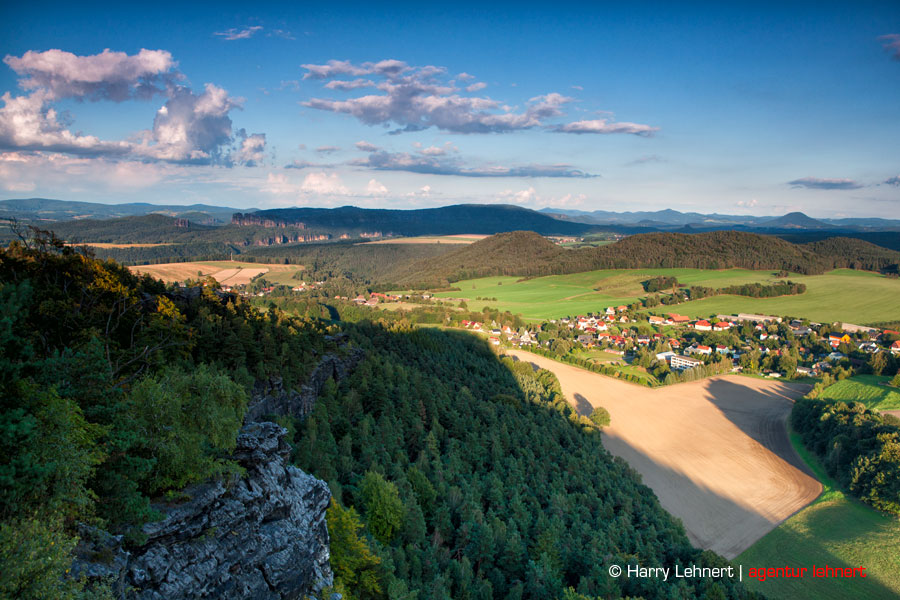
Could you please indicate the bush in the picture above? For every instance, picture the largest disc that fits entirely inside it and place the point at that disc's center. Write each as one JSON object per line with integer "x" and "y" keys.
{"x": 600, "y": 417}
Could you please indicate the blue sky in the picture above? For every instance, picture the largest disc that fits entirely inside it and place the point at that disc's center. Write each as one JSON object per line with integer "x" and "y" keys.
{"x": 733, "y": 108}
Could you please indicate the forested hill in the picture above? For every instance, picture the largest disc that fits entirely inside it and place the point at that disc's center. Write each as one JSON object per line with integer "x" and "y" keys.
{"x": 460, "y": 218}
{"x": 525, "y": 253}
{"x": 454, "y": 474}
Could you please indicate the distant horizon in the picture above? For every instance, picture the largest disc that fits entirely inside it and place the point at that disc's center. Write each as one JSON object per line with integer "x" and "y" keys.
{"x": 463, "y": 203}
{"x": 698, "y": 107}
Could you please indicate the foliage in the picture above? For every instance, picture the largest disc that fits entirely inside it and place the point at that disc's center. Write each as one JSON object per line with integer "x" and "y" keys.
{"x": 35, "y": 556}
{"x": 188, "y": 421}
{"x": 384, "y": 509}
{"x": 856, "y": 446}
{"x": 600, "y": 417}
{"x": 356, "y": 567}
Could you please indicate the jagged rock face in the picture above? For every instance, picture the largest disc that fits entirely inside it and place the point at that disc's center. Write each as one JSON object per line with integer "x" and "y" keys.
{"x": 260, "y": 536}
{"x": 270, "y": 397}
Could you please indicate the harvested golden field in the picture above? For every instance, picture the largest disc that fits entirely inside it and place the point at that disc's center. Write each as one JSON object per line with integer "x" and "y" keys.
{"x": 226, "y": 272}
{"x": 462, "y": 238}
{"x": 716, "y": 452}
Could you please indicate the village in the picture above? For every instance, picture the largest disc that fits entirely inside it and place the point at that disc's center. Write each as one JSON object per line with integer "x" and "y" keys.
{"x": 659, "y": 344}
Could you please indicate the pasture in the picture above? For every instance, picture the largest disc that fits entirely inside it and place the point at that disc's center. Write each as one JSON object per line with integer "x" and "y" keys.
{"x": 715, "y": 452}
{"x": 835, "y": 530}
{"x": 868, "y": 389}
{"x": 841, "y": 295}
{"x": 226, "y": 272}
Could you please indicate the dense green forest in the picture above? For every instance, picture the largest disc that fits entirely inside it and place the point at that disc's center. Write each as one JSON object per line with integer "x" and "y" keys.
{"x": 527, "y": 254}
{"x": 476, "y": 479}
{"x": 114, "y": 392}
{"x": 857, "y": 447}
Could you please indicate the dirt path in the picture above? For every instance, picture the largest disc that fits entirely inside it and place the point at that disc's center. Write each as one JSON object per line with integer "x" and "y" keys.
{"x": 716, "y": 452}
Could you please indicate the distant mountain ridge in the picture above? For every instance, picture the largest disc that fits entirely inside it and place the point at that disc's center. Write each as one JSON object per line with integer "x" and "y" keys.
{"x": 673, "y": 219}
{"x": 47, "y": 209}
{"x": 445, "y": 220}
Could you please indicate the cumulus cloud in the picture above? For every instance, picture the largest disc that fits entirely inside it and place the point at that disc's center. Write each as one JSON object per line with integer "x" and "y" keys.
{"x": 895, "y": 180}
{"x": 239, "y": 34}
{"x": 376, "y": 188}
{"x": 752, "y": 203}
{"x": 252, "y": 149}
{"x": 27, "y": 123}
{"x": 891, "y": 43}
{"x": 190, "y": 128}
{"x": 435, "y": 165}
{"x": 193, "y": 128}
{"x": 325, "y": 184}
{"x": 816, "y": 183}
{"x": 109, "y": 75}
{"x": 327, "y": 149}
{"x": 476, "y": 86}
{"x": 366, "y": 146}
{"x": 603, "y": 126}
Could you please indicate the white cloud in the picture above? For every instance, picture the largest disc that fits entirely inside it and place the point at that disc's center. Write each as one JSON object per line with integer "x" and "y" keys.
{"x": 253, "y": 149}
{"x": 189, "y": 128}
{"x": 476, "y": 86}
{"x": 376, "y": 188}
{"x": 341, "y": 84}
{"x": 422, "y": 192}
{"x": 416, "y": 98}
{"x": 327, "y": 149}
{"x": 106, "y": 76}
{"x": 602, "y": 126}
{"x": 437, "y": 165}
{"x": 239, "y": 34}
{"x": 326, "y": 184}
{"x": 26, "y": 123}
{"x": 752, "y": 203}
{"x": 366, "y": 146}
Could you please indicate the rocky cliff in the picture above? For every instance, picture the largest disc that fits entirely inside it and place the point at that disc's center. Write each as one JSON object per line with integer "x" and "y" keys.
{"x": 270, "y": 397}
{"x": 259, "y": 536}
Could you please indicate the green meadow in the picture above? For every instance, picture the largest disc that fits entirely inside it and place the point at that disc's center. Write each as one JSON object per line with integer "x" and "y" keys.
{"x": 837, "y": 531}
{"x": 868, "y": 389}
{"x": 842, "y": 295}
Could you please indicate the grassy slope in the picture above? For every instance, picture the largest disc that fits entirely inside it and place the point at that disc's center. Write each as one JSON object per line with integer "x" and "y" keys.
{"x": 865, "y": 389}
{"x": 841, "y": 295}
{"x": 834, "y": 530}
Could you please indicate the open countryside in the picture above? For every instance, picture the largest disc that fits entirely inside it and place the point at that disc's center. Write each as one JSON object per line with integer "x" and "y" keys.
{"x": 715, "y": 452}
{"x": 836, "y": 530}
{"x": 840, "y": 295}
{"x": 226, "y": 272}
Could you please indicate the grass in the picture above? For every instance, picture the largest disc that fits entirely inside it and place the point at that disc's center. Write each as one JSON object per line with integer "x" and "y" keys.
{"x": 842, "y": 295}
{"x": 834, "y": 530}
{"x": 866, "y": 389}
{"x": 600, "y": 356}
